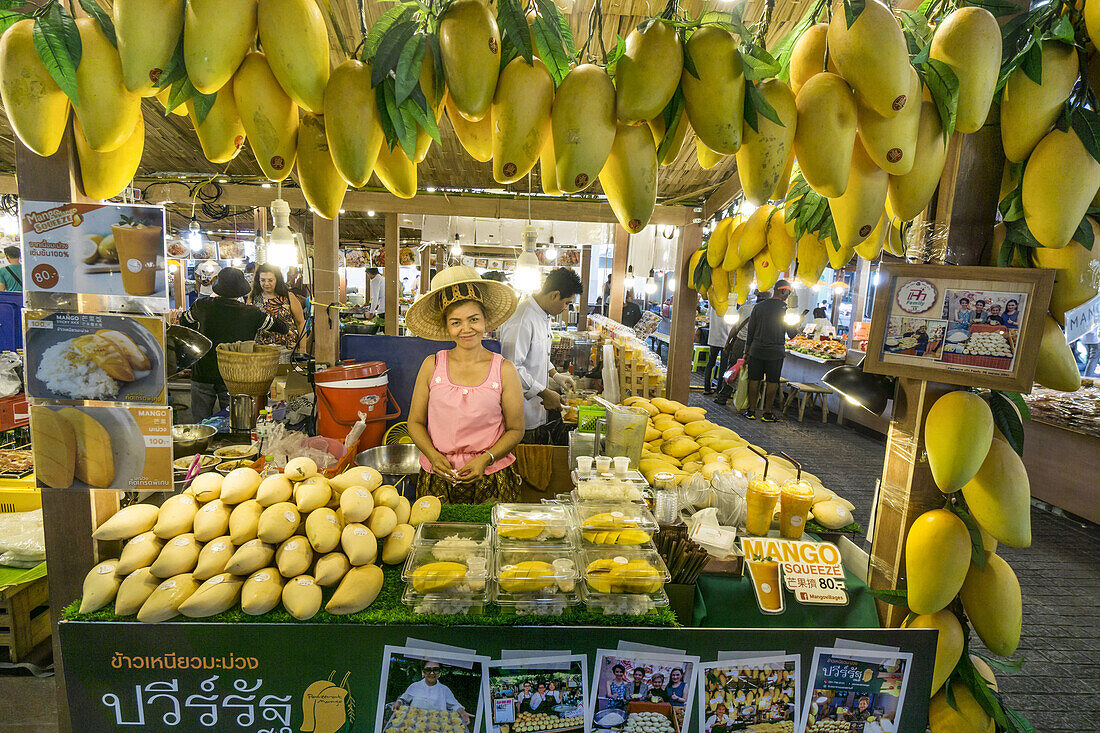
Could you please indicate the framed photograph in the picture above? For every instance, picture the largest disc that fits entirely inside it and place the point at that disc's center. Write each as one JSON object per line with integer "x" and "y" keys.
{"x": 93, "y": 356}
{"x": 970, "y": 326}
{"x": 537, "y": 694}
{"x": 642, "y": 690}
{"x": 851, "y": 688}
{"x": 744, "y": 693}
{"x": 425, "y": 689}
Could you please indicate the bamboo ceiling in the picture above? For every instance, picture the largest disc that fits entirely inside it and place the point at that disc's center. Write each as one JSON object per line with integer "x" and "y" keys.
{"x": 171, "y": 147}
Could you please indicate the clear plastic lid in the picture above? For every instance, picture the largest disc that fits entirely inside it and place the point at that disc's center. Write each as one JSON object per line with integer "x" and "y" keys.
{"x": 526, "y": 523}
{"x": 615, "y": 523}
{"x": 444, "y": 603}
{"x": 610, "y": 489}
{"x": 625, "y": 604}
{"x": 624, "y": 570}
{"x": 535, "y": 571}
{"x": 428, "y": 572}
{"x": 542, "y": 603}
{"x": 458, "y": 534}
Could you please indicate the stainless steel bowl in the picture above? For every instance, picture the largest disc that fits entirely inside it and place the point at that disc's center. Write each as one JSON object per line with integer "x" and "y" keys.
{"x": 187, "y": 440}
{"x": 396, "y": 463}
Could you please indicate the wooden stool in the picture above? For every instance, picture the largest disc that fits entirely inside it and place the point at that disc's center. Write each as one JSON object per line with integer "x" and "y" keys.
{"x": 809, "y": 395}
{"x": 699, "y": 357}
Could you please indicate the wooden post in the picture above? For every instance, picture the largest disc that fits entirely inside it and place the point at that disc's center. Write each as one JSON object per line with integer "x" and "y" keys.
{"x": 968, "y": 194}
{"x": 178, "y": 277}
{"x": 618, "y": 274}
{"x": 685, "y": 302}
{"x": 392, "y": 272}
{"x": 326, "y": 284}
{"x": 907, "y": 488}
{"x": 586, "y": 287}
{"x": 425, "y": 269}
{"x": 68, "y": 517}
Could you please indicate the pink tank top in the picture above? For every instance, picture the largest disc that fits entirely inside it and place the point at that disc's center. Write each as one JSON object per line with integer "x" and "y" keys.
{"x": 464, "y": 421}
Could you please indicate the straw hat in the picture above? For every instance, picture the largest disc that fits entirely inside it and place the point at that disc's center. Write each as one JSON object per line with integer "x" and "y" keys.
{"x": 454, "y": 284}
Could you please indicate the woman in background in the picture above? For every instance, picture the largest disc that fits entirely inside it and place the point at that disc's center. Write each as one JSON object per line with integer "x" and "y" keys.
{"x": 270, "y": 293}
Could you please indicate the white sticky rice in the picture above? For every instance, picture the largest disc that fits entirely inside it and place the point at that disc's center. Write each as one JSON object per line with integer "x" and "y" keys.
{"x": 65, "y": 373}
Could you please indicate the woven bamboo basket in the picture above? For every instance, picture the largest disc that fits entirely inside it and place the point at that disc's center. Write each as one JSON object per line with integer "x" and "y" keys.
{"x": 248, "y": 373}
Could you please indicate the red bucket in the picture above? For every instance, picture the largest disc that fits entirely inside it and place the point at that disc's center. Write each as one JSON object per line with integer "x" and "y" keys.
{"x": 343, "y": 392}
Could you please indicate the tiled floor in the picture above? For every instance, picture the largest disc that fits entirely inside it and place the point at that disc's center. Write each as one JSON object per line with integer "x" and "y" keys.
{"x": 1058, "y": 688}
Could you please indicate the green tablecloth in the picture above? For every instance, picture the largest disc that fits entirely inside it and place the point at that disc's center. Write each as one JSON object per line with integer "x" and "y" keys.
{"x": 15, "y": 576}
{"x": 726, "y": 602}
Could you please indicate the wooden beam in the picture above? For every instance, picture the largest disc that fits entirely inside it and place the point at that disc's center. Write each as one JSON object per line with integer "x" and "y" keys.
{"x": 492, "y": 207}
{"x": 326, "y": 317}
{"x": 685, "y": 303}
{"x": 722, "y": 197}
{"x": 425, "y": 269}
{"x": 68, "y": 517}
{"x": 969, "y": 191}
{"x": 618, "y": 274}
{"x": 392, "y": 271}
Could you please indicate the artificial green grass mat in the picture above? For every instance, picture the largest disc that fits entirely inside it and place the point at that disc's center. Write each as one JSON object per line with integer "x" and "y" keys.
{"x": 388, "y": 608}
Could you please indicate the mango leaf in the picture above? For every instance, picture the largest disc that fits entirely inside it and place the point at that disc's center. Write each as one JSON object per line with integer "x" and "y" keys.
{"x": 999, "y": 8}
{"x": 732, "y": 20}
{"x": 8, "y": 18}
{"x": 91, "y": 7}
{"x": 949, "y": 696}
{"x": 409, "y": 64}
{"x": 784, "y": 47}
{"x": 1021, "y": 405}
{"x": 944, "y": 88}
{"x": 389, "y": 51}
{"x": 614, "y": 56}
{"x": 437, "y": 65}
{"x": 1007, "y": 420}
{"x": 977, "y": 549}
{"x": 1086, "y": 123}
{"x": 1060, "y": 31}
{"x": 58, "y": 45}
{"x": 985, "y": 696}
{"x": 423, "y": 114}
{"x": 181, "y": 91}
{"x": 1005, "y": 254}
{"x": 1005, "y": 665}
{"x": 673, "y": 111}
{"x": 202, "y": 103}
{"x": 1083, "y": 235}
{"x": 755, "y": 104}
{"x": 917, "y": 30}
{"x": 513, "y": 26}
{"x": 388, "y": 127}
{"x": 551, "y": 51}
{"x": 1018, "y": 233}
{"x": 408, "y": 119}
{"x": 174, "y": 70}
{"x": 852, "y": 10}
{"x": 1031, "y": 61}
{"x": 397, "y": 14}
{"x": 689, "y": 62}
{"x": 758, "y": 64}
{"x": 1017, "y": 722}
{"x": 898, "y": 597}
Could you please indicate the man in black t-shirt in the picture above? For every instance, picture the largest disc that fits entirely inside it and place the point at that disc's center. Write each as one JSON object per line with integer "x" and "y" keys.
{"x": 223, "y": 319}
{"x": 765, "y": 346}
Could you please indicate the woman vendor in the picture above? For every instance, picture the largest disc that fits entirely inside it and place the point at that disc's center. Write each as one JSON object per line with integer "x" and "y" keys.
{"x": 270, "y": 293}
{"x": 466, "y": 415}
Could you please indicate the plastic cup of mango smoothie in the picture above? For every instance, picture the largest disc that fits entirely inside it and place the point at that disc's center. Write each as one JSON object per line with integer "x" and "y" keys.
{"x": 765, "y": 581}
{"x": 760, "y": 498}
{"x": 795, "y": 499}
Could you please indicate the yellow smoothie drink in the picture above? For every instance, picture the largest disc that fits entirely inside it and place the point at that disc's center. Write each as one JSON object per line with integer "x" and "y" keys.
{"x": 760, "y": 498}
{"x": 138, "y": 247}
{"x": 765, "y": 580}
{"x": 795, "y": 500}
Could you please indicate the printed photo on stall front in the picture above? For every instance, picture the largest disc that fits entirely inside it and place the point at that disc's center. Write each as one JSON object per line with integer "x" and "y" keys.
{"x": 759, "y": 695}
{"x": 422, "y": 690}
{"x": 638, "y": 692}
{"x": 915, "y": 336}
{"x": 531, "y": 695}
{"x": 856, "y": 690}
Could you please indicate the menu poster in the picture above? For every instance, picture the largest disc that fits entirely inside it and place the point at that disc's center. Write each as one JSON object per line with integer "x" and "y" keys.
{"x": 92, "y": 356}
{"x": 859, "y": 690}
{"x": 106, "y": 257}
{"x": 969, "y": 326}
{"x": 102, "y": 447}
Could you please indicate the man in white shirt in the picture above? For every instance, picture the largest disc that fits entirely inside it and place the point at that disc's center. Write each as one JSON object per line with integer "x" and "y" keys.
{"x": 431, "y": 694}
{"x": 376, "y": 284}
{"x": 525, "y": 341}
{"x": 717, "y": 333}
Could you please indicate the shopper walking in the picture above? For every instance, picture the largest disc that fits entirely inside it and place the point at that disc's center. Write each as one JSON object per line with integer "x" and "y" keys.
{"x": 223, "y": 319}
{"x": 467, "y": 405}
{"x": 11, "y": 274}
{"x": 735, "y": 344}
{"x": 525, "y": 341}
{"x": 765, "y": 345}
{"x": 1091, "y": 342}
{"x": 270, "y": 293}
{"x": 717, "y": 335}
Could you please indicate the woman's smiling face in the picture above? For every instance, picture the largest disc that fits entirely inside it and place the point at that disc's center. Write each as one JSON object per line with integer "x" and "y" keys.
{"x": 465, "y": 323}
